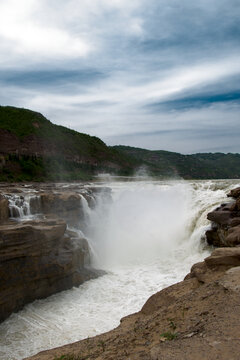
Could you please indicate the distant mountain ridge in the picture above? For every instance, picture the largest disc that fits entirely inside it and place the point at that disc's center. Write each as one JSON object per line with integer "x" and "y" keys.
{"x": 196, "y": 166}
{"x": 34, "y": 149}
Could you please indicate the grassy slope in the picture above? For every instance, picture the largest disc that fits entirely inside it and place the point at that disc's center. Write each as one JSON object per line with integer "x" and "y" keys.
{"x": 95, "y": 154}
{"x": 21, "y": 123}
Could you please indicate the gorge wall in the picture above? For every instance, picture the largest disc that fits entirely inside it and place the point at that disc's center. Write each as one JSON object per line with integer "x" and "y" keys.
{"x": 42, "y": 250}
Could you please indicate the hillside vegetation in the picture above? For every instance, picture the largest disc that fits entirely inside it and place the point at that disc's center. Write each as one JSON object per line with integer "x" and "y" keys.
{"x": 197, "y": 166}
{"x": 23, "y": 123}
{"x": 34, "y": 149}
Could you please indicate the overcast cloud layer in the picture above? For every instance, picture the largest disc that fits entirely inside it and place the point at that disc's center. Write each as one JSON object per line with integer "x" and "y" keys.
{"x": 158, "y": 74}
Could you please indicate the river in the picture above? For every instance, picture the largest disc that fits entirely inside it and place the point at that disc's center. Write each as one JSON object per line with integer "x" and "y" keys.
{"x": 145, "y": 238}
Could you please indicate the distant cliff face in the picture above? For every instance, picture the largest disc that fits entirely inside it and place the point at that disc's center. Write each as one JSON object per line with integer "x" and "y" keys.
{"x": 32, "y": 145}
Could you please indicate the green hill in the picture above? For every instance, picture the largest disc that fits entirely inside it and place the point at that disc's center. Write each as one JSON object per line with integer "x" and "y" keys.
{"x": 34, "y": 149}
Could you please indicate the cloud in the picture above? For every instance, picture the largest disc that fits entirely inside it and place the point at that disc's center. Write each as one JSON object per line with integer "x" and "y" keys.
{"x": 197, "y": 101}
{"x": 215, "y": 128}
{"x": 50, "y": 78}
{"x": 25, "y": 34}
{"x": 147, "y": 73}
{"x": 60, "y": 30}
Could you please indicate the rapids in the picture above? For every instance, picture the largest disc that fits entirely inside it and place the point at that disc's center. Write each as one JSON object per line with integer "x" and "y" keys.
{"x": 146, "y": 238}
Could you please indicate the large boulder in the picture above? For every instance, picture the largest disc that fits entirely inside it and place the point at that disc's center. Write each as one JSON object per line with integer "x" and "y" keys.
{"x": 225, "y": 230}
{"x": 221, "y": 217}
{"x": 238, "y": 204}
{"x": 233, "y": 236}
{"x": 217, "y": 236}
{"x": 215, "y": 265}
{"x": 235, "y": 193}
{"x": 225, "y": 257}
{"x": 39, "y": 258}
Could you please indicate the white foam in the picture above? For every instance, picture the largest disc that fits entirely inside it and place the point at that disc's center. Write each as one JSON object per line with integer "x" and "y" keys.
{"x": 147, "y": 239}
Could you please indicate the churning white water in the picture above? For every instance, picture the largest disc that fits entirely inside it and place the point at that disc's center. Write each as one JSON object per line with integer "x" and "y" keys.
{"x": 146, "y": 238}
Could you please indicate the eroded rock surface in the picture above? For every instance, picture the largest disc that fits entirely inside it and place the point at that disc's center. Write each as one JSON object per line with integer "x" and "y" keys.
{"x": 67, "y": 205}
{"x": 39, "y": 258}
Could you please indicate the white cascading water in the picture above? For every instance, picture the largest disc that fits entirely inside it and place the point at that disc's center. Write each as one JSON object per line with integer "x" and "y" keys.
{"x": 19, "y": 206}
{"x": 146, "y": 238}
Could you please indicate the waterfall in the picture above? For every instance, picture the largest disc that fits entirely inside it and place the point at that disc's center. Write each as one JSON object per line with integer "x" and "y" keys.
{"x": 146, "y": 238}
{"x": 19, "y": 206}
{"x": 149, "y": 221}
{"x": 23, "y": 206}
{"x": 85, "y": 207}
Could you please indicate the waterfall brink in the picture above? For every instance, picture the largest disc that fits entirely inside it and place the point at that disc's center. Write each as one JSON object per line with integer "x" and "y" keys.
{"x": 148, "y": 222}
{"x": 146, "y": 237}
{"x": 141, "y": 225}
{"x": 86, "y": 209}
{"x": 23, "y": 206}
{"x": 19, "y": 206}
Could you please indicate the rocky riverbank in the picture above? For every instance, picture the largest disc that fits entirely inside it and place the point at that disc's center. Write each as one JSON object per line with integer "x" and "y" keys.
{"x": 197, "y": 318}
{"x": 225, "y": 219}
{"x": 40, "y": 254}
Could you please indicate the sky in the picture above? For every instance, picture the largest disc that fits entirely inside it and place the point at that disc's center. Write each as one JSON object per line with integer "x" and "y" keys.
{"x": 156, "y": 74}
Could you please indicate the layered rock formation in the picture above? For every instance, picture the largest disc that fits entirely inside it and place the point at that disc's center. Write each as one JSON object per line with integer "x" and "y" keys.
{"x": 40, "y": 256}
{"x": 225, "y": 219}
{"x": 67, "y": 205}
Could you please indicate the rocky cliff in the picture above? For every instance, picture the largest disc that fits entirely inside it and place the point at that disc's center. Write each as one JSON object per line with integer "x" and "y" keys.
{"x": 39, "y": 255}
{"x": 198, "y": 318}
{"x": 225, "y": 219}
